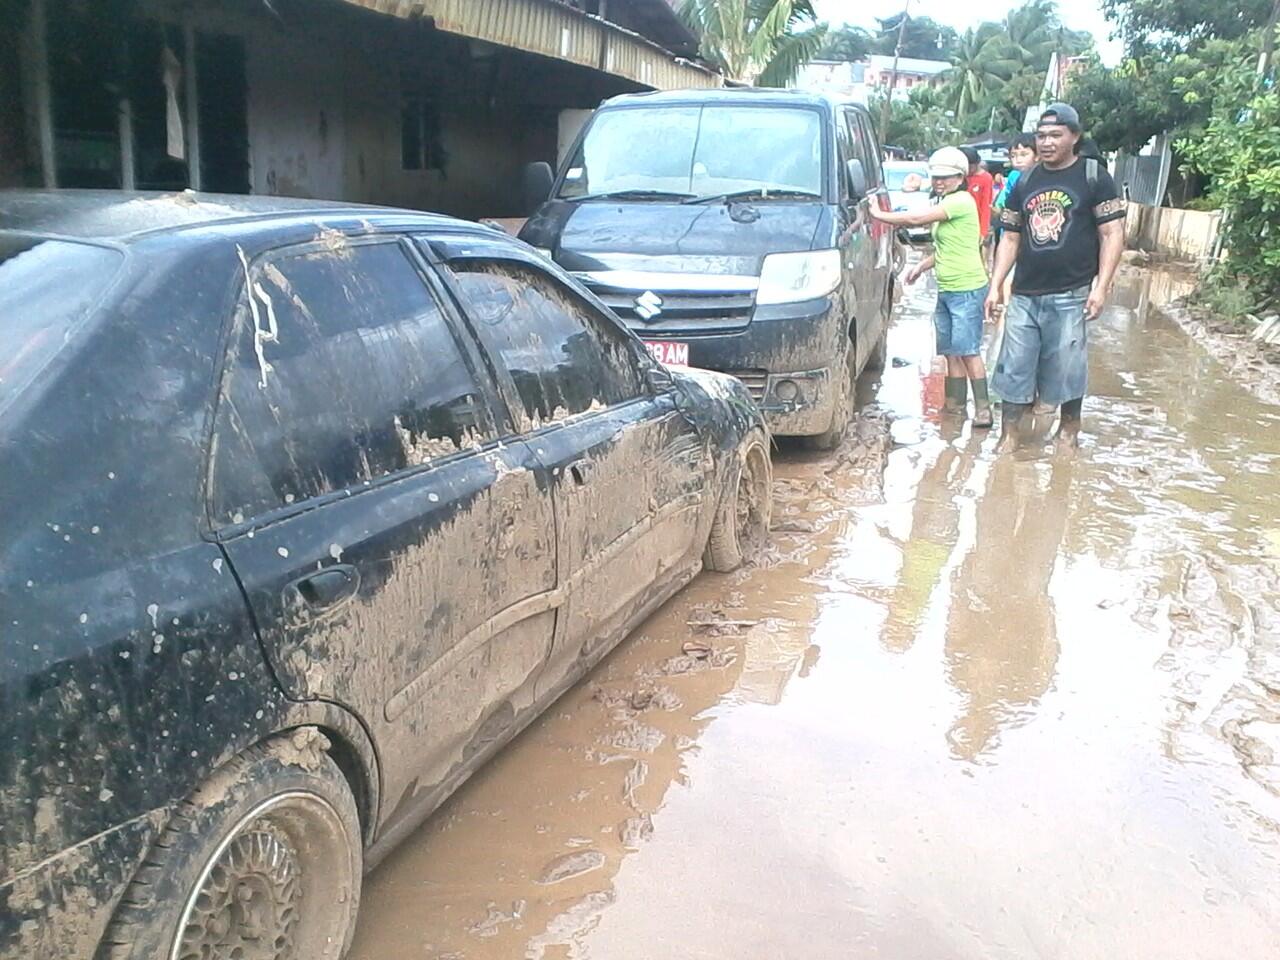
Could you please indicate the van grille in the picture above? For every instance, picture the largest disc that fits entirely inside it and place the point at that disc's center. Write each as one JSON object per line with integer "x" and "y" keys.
{"x": 756, "y": 382}
{"x": 704, "y": 311}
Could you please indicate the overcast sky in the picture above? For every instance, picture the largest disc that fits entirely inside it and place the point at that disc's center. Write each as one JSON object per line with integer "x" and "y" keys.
{"x": 1076, "y": 14}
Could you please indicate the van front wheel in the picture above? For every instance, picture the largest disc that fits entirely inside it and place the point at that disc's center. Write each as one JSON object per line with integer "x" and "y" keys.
{"x": 834, "y": 435}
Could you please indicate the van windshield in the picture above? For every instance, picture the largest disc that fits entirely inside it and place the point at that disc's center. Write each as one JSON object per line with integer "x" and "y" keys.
{"x": 47, "y": 287}
{"x": 689, "y": 153}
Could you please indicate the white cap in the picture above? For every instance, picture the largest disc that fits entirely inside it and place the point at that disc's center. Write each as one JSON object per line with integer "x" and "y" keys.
{"x": 949, "y": 162}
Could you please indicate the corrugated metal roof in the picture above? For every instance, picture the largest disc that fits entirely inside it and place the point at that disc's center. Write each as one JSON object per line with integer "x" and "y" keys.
{"x": 553, "y": 29}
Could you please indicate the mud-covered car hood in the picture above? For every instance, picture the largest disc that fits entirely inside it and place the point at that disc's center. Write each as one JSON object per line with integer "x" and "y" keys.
{"x": 713, "y": 238}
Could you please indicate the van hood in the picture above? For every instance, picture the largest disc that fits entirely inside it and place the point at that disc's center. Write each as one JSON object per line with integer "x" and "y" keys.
{"x": 714, "y": 238}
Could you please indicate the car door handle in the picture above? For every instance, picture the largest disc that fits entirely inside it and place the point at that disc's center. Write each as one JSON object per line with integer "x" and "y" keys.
{"x": 580, "y": 470}
{"x": 328, "y": 587}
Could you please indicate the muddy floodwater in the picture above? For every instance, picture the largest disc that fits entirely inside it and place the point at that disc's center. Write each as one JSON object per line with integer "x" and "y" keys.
{"x": 969, "y": 707}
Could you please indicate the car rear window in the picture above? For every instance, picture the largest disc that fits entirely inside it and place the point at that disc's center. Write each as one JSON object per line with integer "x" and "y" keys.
{"x": 47, "y": 289}
{"x": 897, "y": 178}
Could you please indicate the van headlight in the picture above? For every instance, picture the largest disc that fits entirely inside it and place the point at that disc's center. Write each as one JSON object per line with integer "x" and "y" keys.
{"x": 792, "y": 277}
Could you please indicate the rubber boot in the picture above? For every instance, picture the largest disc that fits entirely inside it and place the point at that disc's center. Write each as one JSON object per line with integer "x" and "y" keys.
{"x": 981, "y": 405}
{"x": 957, "y": 392}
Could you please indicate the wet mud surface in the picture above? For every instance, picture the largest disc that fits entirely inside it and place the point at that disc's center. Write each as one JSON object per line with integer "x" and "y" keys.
{"x": 968, "y": 707}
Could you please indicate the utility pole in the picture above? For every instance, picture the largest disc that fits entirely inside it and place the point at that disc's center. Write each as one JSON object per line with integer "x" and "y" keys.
{"x": 1269, "y": 41}
{"x": 893, "y": 75}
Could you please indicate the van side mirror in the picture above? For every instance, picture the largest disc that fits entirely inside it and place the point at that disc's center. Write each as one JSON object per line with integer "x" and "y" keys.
{"x": 536, "y": 182}
{"x": 857, "y": 178}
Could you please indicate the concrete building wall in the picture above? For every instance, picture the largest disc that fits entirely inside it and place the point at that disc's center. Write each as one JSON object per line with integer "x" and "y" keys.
{"x": 297, "y": 137}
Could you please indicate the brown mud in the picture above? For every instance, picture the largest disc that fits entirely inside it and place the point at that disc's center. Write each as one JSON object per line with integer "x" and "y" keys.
{"x": 968, "y": 707}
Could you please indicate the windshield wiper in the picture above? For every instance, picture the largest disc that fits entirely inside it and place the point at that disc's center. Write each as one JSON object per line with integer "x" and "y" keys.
{"x": 635, "y": 195}
{"x": 757, "y": 193}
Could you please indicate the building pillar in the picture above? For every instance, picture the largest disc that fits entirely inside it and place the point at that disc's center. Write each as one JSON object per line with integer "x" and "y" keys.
{"x": 128, "y": 172}
{"x": 193, "y": 106}
{"x": 42, "y": 93}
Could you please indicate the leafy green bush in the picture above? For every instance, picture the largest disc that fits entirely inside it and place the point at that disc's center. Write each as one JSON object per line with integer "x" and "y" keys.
{"x": 1224, "y": 298}
{"x": 1240, "y": 152}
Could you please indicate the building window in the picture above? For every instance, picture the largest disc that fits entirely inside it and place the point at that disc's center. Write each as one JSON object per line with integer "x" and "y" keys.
{"x": 420, "y": 139}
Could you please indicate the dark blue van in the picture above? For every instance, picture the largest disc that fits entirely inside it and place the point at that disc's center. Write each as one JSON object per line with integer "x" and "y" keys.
{"x": 729, "y": 229}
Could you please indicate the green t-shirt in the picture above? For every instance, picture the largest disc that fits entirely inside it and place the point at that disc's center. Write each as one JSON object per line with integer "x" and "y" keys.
{"x": 957, "y": 247}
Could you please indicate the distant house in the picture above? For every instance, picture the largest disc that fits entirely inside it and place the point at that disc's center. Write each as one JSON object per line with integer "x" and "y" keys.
{"x": 912, "y": 73}
{"x": 838, "y": 78}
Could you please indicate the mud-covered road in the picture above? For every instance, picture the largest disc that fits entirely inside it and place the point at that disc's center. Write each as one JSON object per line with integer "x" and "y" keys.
{"x": 979, "y": 708}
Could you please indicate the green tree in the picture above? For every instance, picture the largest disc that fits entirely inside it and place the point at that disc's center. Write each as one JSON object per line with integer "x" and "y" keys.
{"x": 1169, "y": 92}
{"x": 846, "y": 43}
{"x": 924, "y": 39}
{"x": 1239, "y": 149}
{"x": 980, "y": 65}
{"x": 762, "y": 42}
{"x": 920, "y": 124}
{"x": 1160, "y": 24}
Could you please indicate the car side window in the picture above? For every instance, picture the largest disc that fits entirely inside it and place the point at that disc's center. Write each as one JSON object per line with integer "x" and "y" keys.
{"x": 564, "y": 358}
{"x": 844, "y": 138}
{"x": 342, "y": 369}
{"x": 869, "y": 148}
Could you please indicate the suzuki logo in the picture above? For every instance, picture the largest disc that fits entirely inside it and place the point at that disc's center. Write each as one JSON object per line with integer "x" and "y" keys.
{"x": 648, "y": 305}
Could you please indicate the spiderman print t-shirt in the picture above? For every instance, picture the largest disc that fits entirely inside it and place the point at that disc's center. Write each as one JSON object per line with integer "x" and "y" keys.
{"x": 1058, "y": 212}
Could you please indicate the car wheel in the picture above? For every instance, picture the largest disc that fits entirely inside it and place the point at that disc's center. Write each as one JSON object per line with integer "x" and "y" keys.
{"x": 880, "y": 352}
{"x": 740, "y": 531}
{"x": 832, "y": 437}
{"x": 263, "y": 861}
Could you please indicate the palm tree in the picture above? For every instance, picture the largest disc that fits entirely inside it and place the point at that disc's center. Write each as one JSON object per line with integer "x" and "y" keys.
{"x": 763, "y": 42}
{"x": 1030, "y": 33}
{"x": 979, "y": 66}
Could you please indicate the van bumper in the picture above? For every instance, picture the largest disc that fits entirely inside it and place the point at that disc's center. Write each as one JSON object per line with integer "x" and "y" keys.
{"x": 788, "y": 356}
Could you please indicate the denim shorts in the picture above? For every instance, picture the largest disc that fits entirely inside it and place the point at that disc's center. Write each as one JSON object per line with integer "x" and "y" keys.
{"x": 1045, "y": 352}
{"x": 958, "y": 321}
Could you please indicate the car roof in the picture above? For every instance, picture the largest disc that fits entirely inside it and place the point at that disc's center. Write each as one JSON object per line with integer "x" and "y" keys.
{"x": 915, "y": 164}
{"x": 118, "y": 215}
{"x": 732, "y": 95}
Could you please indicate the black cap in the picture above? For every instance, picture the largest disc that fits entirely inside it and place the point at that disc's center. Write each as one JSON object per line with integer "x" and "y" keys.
{"x": 972, "y": 154}
{"x": 1062, "y": 114}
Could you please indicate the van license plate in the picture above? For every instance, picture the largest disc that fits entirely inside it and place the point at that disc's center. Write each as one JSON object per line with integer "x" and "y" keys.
{"x": 672, "y": 354}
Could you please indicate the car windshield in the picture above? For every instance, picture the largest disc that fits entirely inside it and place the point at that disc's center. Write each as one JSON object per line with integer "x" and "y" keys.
{"x": 47, "y": 288}
{"x": 691, "y": 153}
{"x": 896, "y": 177}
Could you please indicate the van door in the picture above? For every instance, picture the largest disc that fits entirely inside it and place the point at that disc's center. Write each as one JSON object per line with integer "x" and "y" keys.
{"x": 881, "y": 236}
{"x": 852, "y": 219}
{"x": 397, "y": 560}
{"x": 627, "y": 468}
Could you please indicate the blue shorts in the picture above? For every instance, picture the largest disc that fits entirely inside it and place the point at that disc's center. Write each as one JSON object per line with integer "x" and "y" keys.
{"x": 1045, "y": 352}
{"x": 958, "y": 321}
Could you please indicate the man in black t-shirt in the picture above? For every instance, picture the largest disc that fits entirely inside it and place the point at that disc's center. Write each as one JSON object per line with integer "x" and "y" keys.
{"x": 1064, "y": 227}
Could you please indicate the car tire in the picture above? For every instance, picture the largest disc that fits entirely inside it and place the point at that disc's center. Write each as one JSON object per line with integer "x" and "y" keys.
{"x": 834, "y": 435}
{"x": 264, "y": 859}
{"x": 740, "y": 530}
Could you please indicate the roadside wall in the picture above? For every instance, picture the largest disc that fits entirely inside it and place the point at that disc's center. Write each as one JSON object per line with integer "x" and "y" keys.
{"x": 1182, "y": 234}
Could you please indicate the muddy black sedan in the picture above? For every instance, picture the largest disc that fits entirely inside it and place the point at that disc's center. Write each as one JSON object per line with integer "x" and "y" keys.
{"x": 305, "y": 511}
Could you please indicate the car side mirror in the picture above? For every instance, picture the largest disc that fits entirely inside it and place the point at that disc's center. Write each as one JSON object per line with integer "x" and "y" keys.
{"x": 857, "y": 178}
{"x": 657, "y": 377}
{"x": 536, "y": 182}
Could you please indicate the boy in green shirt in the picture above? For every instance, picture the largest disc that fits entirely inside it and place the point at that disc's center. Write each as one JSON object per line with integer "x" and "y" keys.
{"x": 962, "y": 279}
